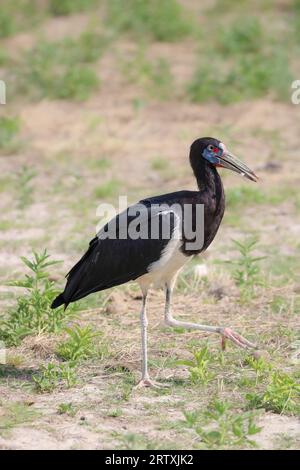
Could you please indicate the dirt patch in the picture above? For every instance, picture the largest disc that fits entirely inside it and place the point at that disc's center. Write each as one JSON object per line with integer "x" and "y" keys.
{"x": 276, "y": 428}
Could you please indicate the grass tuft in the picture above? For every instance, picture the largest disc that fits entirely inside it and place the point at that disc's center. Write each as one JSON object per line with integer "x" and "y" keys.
{"x": 246, "y": 270}
{"x": 282, "y": 395}
{"x": 24, "y": 186}
{"x": 53, "y": 375}
{"x": 108, "y": 190}
{"x": 154, "y": 76}
{"x": 221, "y": 427}
{"x": 19, "y": 15}
{"x": 13, "y": 414}
{"x": 244, "y": 36}
{"x": 198, "y": 367}
{"x": 67, "y": 7}
{"x": 80, "y": 345}
{"x": 9, "y": 131}
{"x": 247, "y": 65}
{"x": 59, "y": 70}
{"x": 249, "y": 77}
{"x": 162, "y": 20}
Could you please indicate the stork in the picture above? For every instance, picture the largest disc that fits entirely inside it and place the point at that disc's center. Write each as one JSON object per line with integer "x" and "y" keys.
{"x": 172, "y": 228}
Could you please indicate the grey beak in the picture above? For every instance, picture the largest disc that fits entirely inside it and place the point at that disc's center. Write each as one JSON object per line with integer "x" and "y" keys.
{"x": 233, "y": 163}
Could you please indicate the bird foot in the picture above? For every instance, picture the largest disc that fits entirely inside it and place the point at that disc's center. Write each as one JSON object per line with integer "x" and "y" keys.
{"x": 150, "y": 383}
{"x": 228, "y": 333}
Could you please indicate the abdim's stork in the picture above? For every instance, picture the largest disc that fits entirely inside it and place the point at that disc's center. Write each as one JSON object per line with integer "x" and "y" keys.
{"x": 119, "y": 254}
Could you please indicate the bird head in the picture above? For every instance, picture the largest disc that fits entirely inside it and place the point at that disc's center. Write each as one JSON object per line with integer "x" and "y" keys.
{"x": 217, "y": 155}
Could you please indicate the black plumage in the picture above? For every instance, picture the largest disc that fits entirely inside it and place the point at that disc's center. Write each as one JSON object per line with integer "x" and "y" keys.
{"x": 114, "y": 260}
{"x": 111, "y": 262}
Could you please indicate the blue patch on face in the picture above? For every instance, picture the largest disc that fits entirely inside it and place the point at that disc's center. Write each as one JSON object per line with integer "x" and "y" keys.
{"x": 211, "y": 156}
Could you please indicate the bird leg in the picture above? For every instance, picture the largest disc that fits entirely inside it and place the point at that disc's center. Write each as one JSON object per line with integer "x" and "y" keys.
{"x": 145, "y": 380}
{"x": 226, "y": 333}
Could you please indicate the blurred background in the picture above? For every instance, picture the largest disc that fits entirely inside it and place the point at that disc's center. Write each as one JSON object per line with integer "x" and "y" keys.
{"x": 104, "y": 98}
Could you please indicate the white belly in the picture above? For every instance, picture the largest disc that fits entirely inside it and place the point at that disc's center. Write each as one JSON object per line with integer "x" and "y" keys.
{"x": 164, "y": 270}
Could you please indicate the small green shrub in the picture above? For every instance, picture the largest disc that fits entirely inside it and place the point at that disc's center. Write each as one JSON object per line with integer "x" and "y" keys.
{"x": 154, "y": 76}
{"x": 108, "y": 189}
{"x": 53, "y": 375}
{"x": 80, "y": 345}
{"x": 15, "y": 413}
{"x": 24, "y": 186}
{"x": 198, "y": 367}
{"x": 67, "y": 7}
{"x": 282, "y": 395}
{"x": 261, "y": 367}
{"x": 59, "y": 70}
{"x": 19, "y": 15}
{"x": 75, "y": 83}
{"x": 242, "y": 196}
{"x": 244, "y": 36}
{"x": 7, "y": 24}
{"x": 221, "y": 427}
{"x": 230, "y": 430}
{"x": 9, "y": 131}
{"x": 246, "y": 270}
{"x": 32, "y": 314}
{"x": 67, "y": 408}
{"x": 160, "y": 164}
{"x": 162, "y": 20}
{"x": 248, "y": 77}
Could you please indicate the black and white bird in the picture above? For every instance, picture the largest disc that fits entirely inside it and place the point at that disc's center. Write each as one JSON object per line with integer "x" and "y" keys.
{"x": 152, "y": 240}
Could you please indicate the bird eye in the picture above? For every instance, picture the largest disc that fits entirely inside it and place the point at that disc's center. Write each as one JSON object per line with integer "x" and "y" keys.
{"x": 210, "y": 148}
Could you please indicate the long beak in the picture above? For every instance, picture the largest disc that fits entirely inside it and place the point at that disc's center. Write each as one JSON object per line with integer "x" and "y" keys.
{"x": 233, "y": 163}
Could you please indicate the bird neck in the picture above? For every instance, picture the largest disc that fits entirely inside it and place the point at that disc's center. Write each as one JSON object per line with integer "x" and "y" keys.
{"x": 208, "y": 179}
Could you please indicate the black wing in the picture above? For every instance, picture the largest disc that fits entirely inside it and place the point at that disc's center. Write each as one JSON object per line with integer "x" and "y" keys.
{"x": 112, "y": 260}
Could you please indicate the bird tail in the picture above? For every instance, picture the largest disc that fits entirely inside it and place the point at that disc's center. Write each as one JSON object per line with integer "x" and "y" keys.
{"x": 58, "y": 301}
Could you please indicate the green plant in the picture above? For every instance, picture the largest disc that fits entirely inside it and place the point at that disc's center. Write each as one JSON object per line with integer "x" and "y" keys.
{"x": 282, "y": 395}
{"x": 115, "y": 412}
{"x": 260, "y": 366}
{"x": 80, "y": 344}
{"x": 24, "y": 186}
{"x": 133, "y": 441}
{"x": 296, "y": 18}
{"x": 191, "y": 418}
{"x": 67, "y": 7}
{"x": 248, "y": 77}
{"x": 228, "y": 427}
{"x": 246, "y": 270}
{"x": 59, "y": 70}
{"x": 280, "y": 304}
{"x": 9, "y": 130}
{"x": 163, "y": 20}
{"x": 32, "y": 314}
{"x": 189, "y": 280}
{"x": 76, "y": 83}
{"x": 154, "y": 76}
{"x": 219, "y": 426}
{"x": 14, "y": 413}
{"x": 67, "y": 408}
{"x": 159, "y": 164}
{"x": 53, "y": 375}
{"x": 108, "y": 189}
{"x": 4, "y": 58}
{"x": 18, "y": 15}
{"x": 198, "y": 367}
{"x": 7, "y": 24}
{"x": 244, "y": 36}
{"x": 241, "y": 196}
